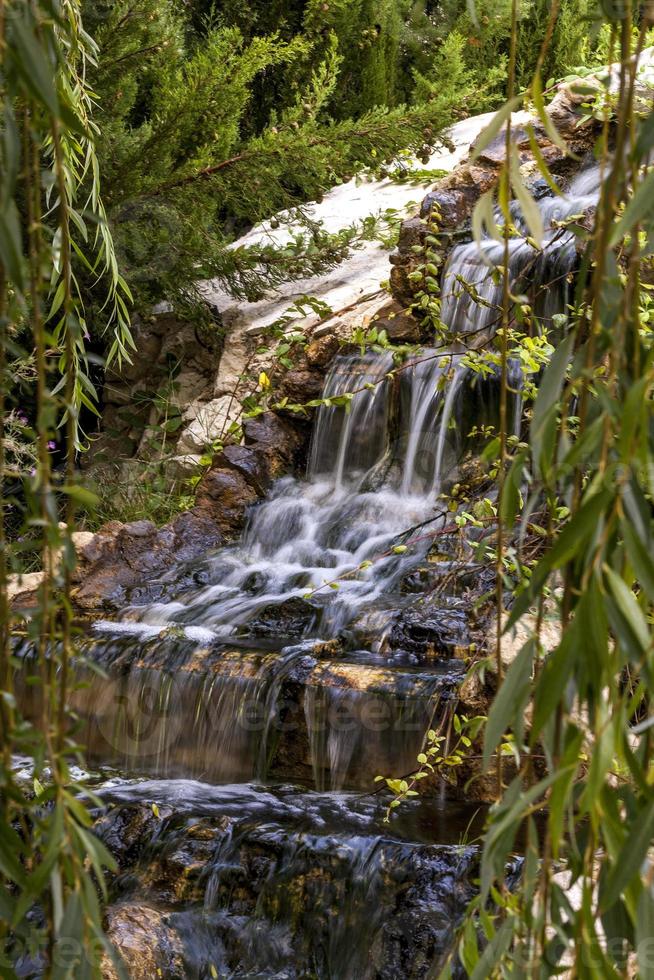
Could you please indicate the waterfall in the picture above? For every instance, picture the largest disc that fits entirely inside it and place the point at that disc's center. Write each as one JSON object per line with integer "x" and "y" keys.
{"x": 318, "y": 551}
{"x": 278, "y": 883}
{"x": 212, "y": 677}
{"x": 543, "y": 275}
{"x": 347, "y": 445}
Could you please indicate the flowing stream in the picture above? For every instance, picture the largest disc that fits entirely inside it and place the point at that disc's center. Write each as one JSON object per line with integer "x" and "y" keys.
{"x": 276, "y": 661}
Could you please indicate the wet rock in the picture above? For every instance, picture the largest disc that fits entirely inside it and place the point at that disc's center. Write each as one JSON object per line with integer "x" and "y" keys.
{"x": 302, "y": 386}
{"x": 124, "y": 557}
{"x": 268, "y": 897}
{"x": 292, "y": 618}
{"x": 251, "y": 464}
{"x": 127, "y": 830}
{"x": 279, "y": 442}
{"x": 450, "y": 206}
{"x": 431, "y": 629}
{"x": 400, "y": 328}
{"x": 452, "y": 203}
{"x": 145, "y": 942}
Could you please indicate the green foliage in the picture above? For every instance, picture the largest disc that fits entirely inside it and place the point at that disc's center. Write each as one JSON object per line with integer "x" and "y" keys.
{"x": 186, "y": 165}
{"x": 452, "y": 80}
{"x": 183, "y": 168}
{"x": 52, "y": 223}
{"x": 443, "y": 753}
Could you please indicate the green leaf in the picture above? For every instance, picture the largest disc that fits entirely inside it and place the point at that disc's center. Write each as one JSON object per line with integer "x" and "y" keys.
{"x": 494, "y": 951}
{"x": 11, "y": 149}
{"x": 645, "y": 140}
{"x": 641, "y": 560}
{"x": 629, "y": 862}
{"x": 559, "y": 797}
{"x": 83, "y": 496}
{"x": 545, "y": 118}
{"x": 644, "y": 934}
{"x": 632, "y": 630}
{"x": 530, "y": 212}
{"x": 32, "y": 64}
{"x": 633, "y": 412}
{"x": 552, "y": 682}
{"x": 509, "y": 700}
{"x": 510, "y": 501}
{"x": 549, "y": 392}
{"x": 640, "y": 206}
{"x": 541, "y": 164}
{"x": 570, "y": 542}
{"x": 11, "y": 255}
{"x": 483, "y": 217}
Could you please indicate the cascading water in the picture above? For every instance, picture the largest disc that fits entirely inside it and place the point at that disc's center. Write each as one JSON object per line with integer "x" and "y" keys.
{"x": 320, "y": 555}
{"x": 472, "y": 292}
{"x": 347, "y": 445}
{"x": 281, "y": 884}
{"x": 274, "y": 665}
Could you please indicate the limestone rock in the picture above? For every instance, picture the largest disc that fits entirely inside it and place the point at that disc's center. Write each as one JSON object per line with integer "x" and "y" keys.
{"x": 209, "y": 421}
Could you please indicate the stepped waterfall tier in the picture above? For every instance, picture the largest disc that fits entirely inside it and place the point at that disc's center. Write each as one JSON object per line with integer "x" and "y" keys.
{"x": 233, "y": 715}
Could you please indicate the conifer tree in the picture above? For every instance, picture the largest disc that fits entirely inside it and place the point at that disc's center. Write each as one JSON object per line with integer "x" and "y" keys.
{"x": 184, "y": 172}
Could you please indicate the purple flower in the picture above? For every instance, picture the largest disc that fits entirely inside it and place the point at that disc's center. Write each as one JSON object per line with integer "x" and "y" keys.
{"x": 52, "y": 444}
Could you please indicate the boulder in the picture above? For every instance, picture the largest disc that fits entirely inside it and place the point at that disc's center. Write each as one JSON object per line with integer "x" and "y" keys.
{"x": 322, "y": 350}
{"x": 302, "y": 386}
{"x": 431, "y": 629}
{"x": 145, "y": 942}
{"x": 207, "y": 423}
{"x": 251, "y": 464}
{"x": 290, "y": 619}
{"x": 123, "y": 561}
{"x": 223, "y": 498}
{"x": 278, "y": 442}
{"x": 400, "y": 328}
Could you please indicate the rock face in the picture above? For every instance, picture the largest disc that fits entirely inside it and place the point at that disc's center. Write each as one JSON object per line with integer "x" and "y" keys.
{"x": 240, "y": 475}
{"x": 174, "y": 359}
